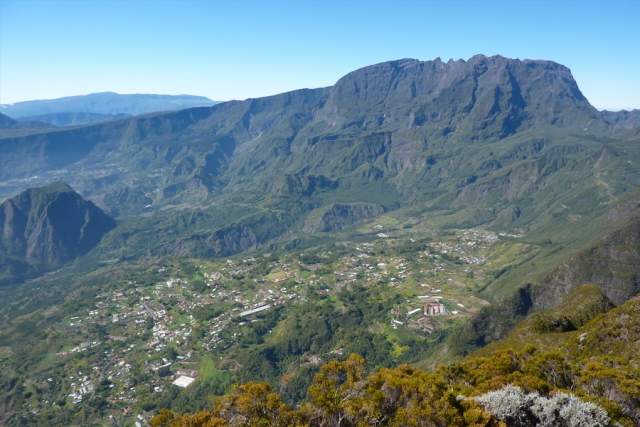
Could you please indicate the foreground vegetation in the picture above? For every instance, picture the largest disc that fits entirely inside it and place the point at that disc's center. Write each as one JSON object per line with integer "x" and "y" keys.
{"x": 525, "y": 388}
{"x": 592, "y": 378}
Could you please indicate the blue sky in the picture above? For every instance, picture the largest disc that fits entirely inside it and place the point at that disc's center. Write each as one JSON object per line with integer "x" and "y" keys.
{"x": 245, "y": 49}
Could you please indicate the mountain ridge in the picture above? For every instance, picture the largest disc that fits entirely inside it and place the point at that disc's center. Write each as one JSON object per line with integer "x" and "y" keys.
{"x": 606, "y": 269}
{"x": 489, "y": 141}
{"x": 10, "y": 127}
{"x": 73, "y": 119}
{"x": 105, "y": 103}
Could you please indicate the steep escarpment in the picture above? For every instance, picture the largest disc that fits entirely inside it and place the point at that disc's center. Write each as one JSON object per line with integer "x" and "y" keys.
{"x": 623, "y": 118}
{"x": 549, "y": 329}
{"x": 339, "y": 215}
{"x": 613, "y": 265}
{"x": 46, "y": 227}
{"x": 494, "y": 96}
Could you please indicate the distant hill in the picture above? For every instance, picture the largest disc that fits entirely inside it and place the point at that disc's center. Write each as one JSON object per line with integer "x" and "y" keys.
{"x": 11, "y": 127}
{"x": 105, "y": 103}
{"x": 626, "y": 119}
{"x": 44, "y": 228}
{"x": 73, "y": 119}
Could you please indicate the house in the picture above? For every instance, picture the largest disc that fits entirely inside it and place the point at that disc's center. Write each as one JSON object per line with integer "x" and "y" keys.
{"x": 188, "y": 372}
{"x": 431, "y": 310}
{"x": 184, "y": 381}
{"x": 435, "y": 310}
{"x": 255, "y": 310}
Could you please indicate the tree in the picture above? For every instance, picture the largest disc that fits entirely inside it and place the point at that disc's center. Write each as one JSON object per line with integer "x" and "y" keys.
{"x": 170, "y": 353}
{"x": 337, "y": 392}
{"x": 255, "y": 404}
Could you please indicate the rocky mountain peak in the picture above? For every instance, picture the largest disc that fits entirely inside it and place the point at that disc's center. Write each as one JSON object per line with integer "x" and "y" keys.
{"x": 495, "y": 93}
{"x": 48, "y": 226}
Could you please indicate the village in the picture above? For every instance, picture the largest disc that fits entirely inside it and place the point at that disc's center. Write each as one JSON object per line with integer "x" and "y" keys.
{"x": 174, "y": 329}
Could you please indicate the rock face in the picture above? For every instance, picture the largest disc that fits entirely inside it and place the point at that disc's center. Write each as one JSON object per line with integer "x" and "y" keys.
{"x": 613, "y": 265}
{"x": 340, "y": 215}
{"x": 623, "y": 118}
{"x": 495, "y": 95}
{"x": 46, "y": 227}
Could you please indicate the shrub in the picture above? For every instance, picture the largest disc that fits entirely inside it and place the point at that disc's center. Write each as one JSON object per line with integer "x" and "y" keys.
{"x": 519, "y": 409}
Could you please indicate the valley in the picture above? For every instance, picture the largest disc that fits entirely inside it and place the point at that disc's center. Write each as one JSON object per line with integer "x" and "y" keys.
{"x": 417, "y": 222}
{"x": 125, "y": 333}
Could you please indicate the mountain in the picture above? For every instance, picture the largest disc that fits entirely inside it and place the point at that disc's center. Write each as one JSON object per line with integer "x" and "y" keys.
{"x": 493, "y": 141}
{"x": 506, "y": 144}
{"x": 623, "y": 118}
{"x": 105, "y": 103}
{"x": 46, "y": 227}
{"x": 10, "y": 127}
{"x": 73, "y": 119}
{"x": 549, "y": 329}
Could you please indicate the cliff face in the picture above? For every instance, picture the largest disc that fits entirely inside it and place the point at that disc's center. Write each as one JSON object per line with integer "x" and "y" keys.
{"x": 624, "y": 119}
{"x": 493, "y": 96}
{"x": 613, "y": 265}
{"x": 44, "y": 228}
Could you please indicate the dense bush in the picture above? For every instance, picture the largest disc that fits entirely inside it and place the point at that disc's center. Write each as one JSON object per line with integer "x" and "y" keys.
{"x": 479, "y": 392}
